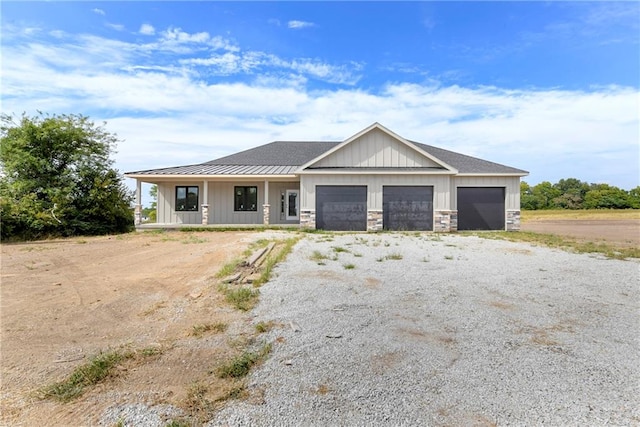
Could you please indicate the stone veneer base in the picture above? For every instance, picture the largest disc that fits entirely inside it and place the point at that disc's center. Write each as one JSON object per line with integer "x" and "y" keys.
{"x": 445, "y": 221}
{"x": 307, "y": 218}
{"x": 266, "y": 212}
{"x": 513, "y": 220}
{"x": 374, "y": 220}
{"x": 205, "y": 214}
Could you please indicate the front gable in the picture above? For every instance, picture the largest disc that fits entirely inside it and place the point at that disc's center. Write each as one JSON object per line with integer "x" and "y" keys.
{"x": 377, "y": 147}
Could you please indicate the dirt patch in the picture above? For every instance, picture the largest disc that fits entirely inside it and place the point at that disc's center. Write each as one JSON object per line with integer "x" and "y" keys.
{"x": 65, "y": 301}
{"x": 625, "y": 233}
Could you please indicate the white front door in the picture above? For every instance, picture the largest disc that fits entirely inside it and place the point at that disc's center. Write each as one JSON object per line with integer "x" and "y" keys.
{"x": 292, "y": 204}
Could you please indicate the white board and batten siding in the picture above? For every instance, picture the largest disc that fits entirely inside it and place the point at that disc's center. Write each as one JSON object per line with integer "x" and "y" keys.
{"x": 375, "y": 149}
{"x": 374, "y": 183}
{"x": 510, "y": 183}
{"x": 167, "y": 201}
{"x": 221, "y": 203}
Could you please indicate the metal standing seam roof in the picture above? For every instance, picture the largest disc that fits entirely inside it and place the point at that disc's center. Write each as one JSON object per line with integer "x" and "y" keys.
{"x": 285, "y": 158}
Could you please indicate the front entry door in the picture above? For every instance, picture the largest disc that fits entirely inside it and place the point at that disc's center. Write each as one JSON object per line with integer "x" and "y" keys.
{"x": 292, "y": 204}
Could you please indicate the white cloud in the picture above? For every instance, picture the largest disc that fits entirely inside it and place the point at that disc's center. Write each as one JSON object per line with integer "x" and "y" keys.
{"x": 98, "y": 11}
{"x": 117, "y": 27}
{"x": 167, "y": 114}
{"x": 296, "y": 25}
{"x": 147, "y": 29}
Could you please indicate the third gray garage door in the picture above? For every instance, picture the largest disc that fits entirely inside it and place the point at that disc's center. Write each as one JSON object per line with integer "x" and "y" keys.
{"x": 341, "y": 207}
{"x": 407, "y": 207}
{"x": 480, "y": 208}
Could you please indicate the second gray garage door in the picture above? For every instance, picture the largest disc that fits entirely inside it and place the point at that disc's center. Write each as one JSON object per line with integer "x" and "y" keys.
{"x": 481, "y": 208}
{"x": 407, "y": 207}
{"x": 341, "y": 207}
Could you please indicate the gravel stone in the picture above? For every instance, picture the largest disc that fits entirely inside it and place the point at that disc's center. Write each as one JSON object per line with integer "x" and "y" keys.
{"x": 461, "y": 331}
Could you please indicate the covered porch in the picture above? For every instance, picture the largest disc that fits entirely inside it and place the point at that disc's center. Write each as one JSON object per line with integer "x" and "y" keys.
{"x": 222, "y": 201}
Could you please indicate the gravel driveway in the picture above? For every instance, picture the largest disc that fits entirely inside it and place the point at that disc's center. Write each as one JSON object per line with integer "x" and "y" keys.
{"x": 459, "y": 331}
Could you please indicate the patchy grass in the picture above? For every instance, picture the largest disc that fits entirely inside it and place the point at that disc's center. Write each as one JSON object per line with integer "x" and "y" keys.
{"x": 239, "y": 366}
{"x": 339, "y": 249}
{"x": 192, "y": 239}
{"x": 565, "y": 243}
{"x": 98, "y": 369}
{"x": 349, "y": 266}
{"x": 262, "y": 327}
{"x": 258, "y": 244}
{"x": 277, "y": 255}
{"x": 584, "y": 214}
{"x": 318, "y": 256}
{"x": 229, "y": 268}
{"x": 242, "y": 298}
{"x": 394, "y": 256}
{"x": 199, "y": 330}
{"x": 88, "y": 374}
{"x": 448, "y": 257}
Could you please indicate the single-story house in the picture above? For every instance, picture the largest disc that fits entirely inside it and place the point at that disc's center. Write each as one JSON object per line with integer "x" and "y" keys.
{"x": 373, "y": 180}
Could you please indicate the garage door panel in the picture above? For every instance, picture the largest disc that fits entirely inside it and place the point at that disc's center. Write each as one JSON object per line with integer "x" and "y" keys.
{"x": 481, "y": 208}
{"x": 341, "y": 208}
{"x": 407, "y": 207}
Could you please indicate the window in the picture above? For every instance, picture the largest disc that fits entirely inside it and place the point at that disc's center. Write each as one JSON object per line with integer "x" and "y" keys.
{"x": 245, "y": 199}
{"x": 187, "y": 198}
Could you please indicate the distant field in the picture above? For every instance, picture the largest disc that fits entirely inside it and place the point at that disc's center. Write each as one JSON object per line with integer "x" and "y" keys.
{"x": 583, "y": 214}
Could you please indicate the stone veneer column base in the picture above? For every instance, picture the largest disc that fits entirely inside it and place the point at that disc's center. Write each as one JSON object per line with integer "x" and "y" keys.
{"x": 137, "y": 215}
{"x": 307, "y": 218}
{"x": 266, "y": 211}
{"x": 205, "y": 214}
{"x": 374, "y": 220}
{"x": 445, "y": 221}
{"x": 513, "y": 220}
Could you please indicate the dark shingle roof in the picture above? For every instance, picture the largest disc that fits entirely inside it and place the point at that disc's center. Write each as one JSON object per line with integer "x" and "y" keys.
{"x": 467, "y": 164}
{"x": 279, "y": 153}
{"x": 285, "y": 157}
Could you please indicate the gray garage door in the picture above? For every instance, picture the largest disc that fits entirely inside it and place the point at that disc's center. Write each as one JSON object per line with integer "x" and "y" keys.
{"x": 407, "y": 207}
{"x": 480, "y": 208}
{"x": 341, "y": 208}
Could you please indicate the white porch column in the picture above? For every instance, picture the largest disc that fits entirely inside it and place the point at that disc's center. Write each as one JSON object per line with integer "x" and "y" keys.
{"x": 137, "y": 210}
{"x": 266, "y": 208}
{"x": 205, "y": 203}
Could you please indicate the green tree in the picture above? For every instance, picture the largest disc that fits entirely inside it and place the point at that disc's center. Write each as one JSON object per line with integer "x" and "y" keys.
{"x": 634, "y": 197}
{"x": 543, "y": 195}
{"x": 527, "y": 201}
{"x": 572, "y": 193}
{"x": 57, "y": 178}
{"x": 605, "y": 196}
{"x": 153, "y": 213}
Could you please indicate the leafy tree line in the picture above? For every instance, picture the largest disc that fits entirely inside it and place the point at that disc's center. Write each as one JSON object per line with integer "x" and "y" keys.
{"x": 571, "y": 193}
{"x": 57, "y": 179}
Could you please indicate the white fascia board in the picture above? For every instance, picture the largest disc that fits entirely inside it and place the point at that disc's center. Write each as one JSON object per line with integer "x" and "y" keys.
{"x": 494, "y": 174}
{"x": 161, "y": 177}
{"x": 371, "y": 172}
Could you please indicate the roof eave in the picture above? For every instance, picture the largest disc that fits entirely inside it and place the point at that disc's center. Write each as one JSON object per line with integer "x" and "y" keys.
{"x": 373, "y": 171}
{"x": 523, "y": 173}
{"x": 168, "y": 177}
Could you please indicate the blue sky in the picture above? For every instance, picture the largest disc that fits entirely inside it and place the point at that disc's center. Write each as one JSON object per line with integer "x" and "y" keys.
{"x": 552, "y": 88}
